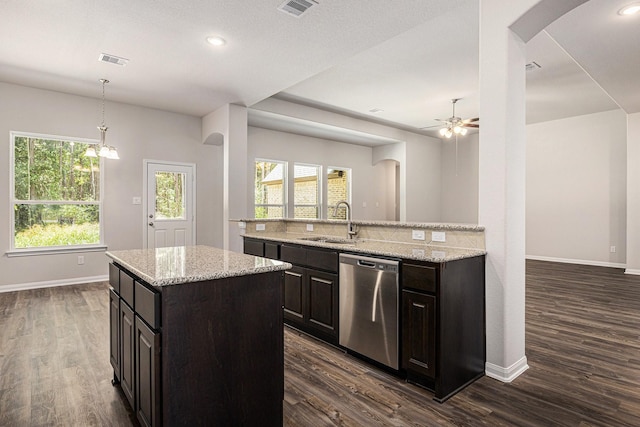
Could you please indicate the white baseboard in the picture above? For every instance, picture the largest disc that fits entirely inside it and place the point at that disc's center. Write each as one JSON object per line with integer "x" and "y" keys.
{"x": 52, "y": 283}
{"x": 506, "y": 375}
{"x": 577, "y": 261}
{"x": 632, "y": 271}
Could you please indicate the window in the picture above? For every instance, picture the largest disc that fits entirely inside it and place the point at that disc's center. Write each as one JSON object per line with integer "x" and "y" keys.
{"x": 270, "y": 179}
{"x": 338, "y": 188}
{"x": 306, "y": 191}
{"x": 55, "y": 193}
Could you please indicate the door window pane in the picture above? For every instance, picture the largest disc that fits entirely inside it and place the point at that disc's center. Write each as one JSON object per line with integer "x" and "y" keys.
{"x": 306, "y": 191}
{"x": 338, "y": 185}
{"x": 170, "y": 197}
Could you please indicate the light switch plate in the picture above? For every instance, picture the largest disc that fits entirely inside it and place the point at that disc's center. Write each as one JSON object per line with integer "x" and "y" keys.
{"x": 137, "y": 201}
{"x": 438, "y": 236}
{"x": 242, "y": 224}
{"x": 309, "y": 227}
{"x": 417, "y": 234}
{"x": 260, "y": 227}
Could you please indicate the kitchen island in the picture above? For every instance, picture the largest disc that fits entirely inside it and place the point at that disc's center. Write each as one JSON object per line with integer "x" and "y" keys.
{"x": 197, "y": 335}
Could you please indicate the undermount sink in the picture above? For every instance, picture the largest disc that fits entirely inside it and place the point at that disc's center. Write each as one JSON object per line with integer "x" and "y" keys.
{"x": 334, "y": 240}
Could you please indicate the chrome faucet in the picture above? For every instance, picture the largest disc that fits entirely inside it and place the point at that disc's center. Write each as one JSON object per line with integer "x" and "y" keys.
{"x": 352, "y": 229}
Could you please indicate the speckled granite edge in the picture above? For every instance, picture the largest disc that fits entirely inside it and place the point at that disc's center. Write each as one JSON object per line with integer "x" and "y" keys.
{"x": 199, "y": 263}
{"x": 372, "y": 247}
{"x": 434, "y": 226}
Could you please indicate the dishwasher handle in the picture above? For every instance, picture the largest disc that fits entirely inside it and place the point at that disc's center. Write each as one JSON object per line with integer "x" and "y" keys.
{"x": 365, "y": 263}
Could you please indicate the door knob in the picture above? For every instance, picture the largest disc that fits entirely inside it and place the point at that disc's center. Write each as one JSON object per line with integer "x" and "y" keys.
{"x": 150, "y": 224}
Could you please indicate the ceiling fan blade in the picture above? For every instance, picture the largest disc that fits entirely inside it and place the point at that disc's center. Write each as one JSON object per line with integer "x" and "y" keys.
{"x": 470, "y": 125}
{"x": 475, "y": 119}
{"x": 429, "y": 127}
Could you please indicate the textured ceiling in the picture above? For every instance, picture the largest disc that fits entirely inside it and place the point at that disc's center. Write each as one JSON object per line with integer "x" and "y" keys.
{"x": 405, "y": 57}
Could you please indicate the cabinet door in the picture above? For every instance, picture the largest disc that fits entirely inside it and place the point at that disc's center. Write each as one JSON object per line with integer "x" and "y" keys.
{"x": 419, "y": 333}
{"x": 114, "y": 332}
{"x": 294, "y": 294}
{"x": 147, "y": 375}
{"x": 127, "y": 352}
{"x": 323, "y": 301}
{"x": 253, "y": 247}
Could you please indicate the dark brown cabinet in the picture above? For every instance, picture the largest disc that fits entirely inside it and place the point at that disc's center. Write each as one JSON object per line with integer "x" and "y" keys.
{"x": 419, "y": 333}
{"x": 443, "y": 324}
{"x": 147, "y": 372}
{"x": 310, "y": 301}
{"x": 187, "y": 358}
{"x": 134, "y": 346}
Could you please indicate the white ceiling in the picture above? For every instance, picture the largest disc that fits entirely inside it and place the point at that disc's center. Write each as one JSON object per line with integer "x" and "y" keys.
{"x": 406, "y": 57}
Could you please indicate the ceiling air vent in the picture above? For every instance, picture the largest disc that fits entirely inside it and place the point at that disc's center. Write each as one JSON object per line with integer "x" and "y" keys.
{"x": 296, "y": 7}
{"x": 112, "y": 59}
{"x": 531, "y": 66}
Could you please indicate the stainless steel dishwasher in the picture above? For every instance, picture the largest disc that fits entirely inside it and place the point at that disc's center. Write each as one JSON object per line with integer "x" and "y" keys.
{"x": 369, "y": 307}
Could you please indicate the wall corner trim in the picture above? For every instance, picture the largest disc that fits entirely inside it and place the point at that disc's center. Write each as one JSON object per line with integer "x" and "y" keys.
{"x": 508, "y": 374}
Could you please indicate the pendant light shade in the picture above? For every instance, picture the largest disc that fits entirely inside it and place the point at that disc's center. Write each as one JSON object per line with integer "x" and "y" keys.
{"x": 103, "y": 150}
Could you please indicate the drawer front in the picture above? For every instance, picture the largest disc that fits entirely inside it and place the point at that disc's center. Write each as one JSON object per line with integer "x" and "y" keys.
{"x": 147, "y": 305}
{"x": 419, "y": 277}
{"x": 253, "y": 247}
{"x": 126, "y": 288}
{"x": 323, "y": 260}
{"x": 271, "y": 250}
{"x": 293, "y": 254}
{"x": 114, "y": 277}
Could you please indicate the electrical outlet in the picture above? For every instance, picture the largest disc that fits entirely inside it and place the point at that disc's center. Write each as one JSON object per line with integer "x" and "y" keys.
{"x": 309, "y": 227}
{"x": 80, "y": 259}
{"x": 260, "y": 227}
{"x": 417, "y": 252}
{"x": 417, "y": 234}
{"x": 613, "y": 249}
{"x": 137, "y": 200}
{"x": 438, "y": 236}
{"x": 242, "y": 225}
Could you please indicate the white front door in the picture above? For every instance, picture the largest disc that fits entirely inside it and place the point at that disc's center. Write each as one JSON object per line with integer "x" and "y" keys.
{"x": 169, "y": 207}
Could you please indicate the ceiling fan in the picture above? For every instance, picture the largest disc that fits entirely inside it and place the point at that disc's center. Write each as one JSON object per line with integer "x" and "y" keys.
{"x": 454, "y": 125}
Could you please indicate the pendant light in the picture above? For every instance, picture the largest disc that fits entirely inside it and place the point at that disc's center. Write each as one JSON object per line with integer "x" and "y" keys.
{"x": 103, "y": 150}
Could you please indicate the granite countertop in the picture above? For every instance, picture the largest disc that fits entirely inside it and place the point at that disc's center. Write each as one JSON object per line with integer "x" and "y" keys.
{"x": 429, "y": 225}
{"x": 184, "y": 264}
{"x": 422, "y": 252}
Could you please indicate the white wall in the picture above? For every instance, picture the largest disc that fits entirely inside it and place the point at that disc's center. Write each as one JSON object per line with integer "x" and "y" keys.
{"x": 138, "y": 133}
{"x": 369, "y": 183}
{"x": 633, "y": 193}
{"x": 576, "y": 189}
{"x": 459, "y": 201}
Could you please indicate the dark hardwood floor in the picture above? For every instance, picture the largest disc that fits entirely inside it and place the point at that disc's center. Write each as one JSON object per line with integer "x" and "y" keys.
{"x": 583, "y": 349}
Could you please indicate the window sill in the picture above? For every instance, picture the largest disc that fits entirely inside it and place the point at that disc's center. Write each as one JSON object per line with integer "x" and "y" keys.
{"x": 54, "y": 251}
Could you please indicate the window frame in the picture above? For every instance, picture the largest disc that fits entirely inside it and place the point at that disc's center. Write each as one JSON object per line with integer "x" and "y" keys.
{"x": 349, "y": 171}
{"x": 91, "y": 247}
{"x": 285, "y": 186}
{"x": 319, "y": 181}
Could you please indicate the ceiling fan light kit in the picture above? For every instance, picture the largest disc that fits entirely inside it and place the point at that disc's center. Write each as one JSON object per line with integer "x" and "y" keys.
{"x": 455, "y": 125}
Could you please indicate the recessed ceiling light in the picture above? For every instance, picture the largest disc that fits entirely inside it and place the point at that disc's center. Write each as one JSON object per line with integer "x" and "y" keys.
{"x": 216, "y": 41}
{"x": 630, "y": 9}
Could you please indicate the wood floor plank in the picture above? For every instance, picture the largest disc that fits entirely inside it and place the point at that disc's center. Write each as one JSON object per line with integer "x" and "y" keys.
{"x": 582, "y": 345}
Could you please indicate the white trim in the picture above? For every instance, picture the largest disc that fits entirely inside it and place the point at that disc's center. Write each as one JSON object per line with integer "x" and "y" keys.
{"x": 508, "y": 374}
{"x": 632, "y": 271}
{"x": 576, "y": 261}
{"x": 52, "y": 283}
{"x": 54, "y": 250}
{"x": 13, "y": 251}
